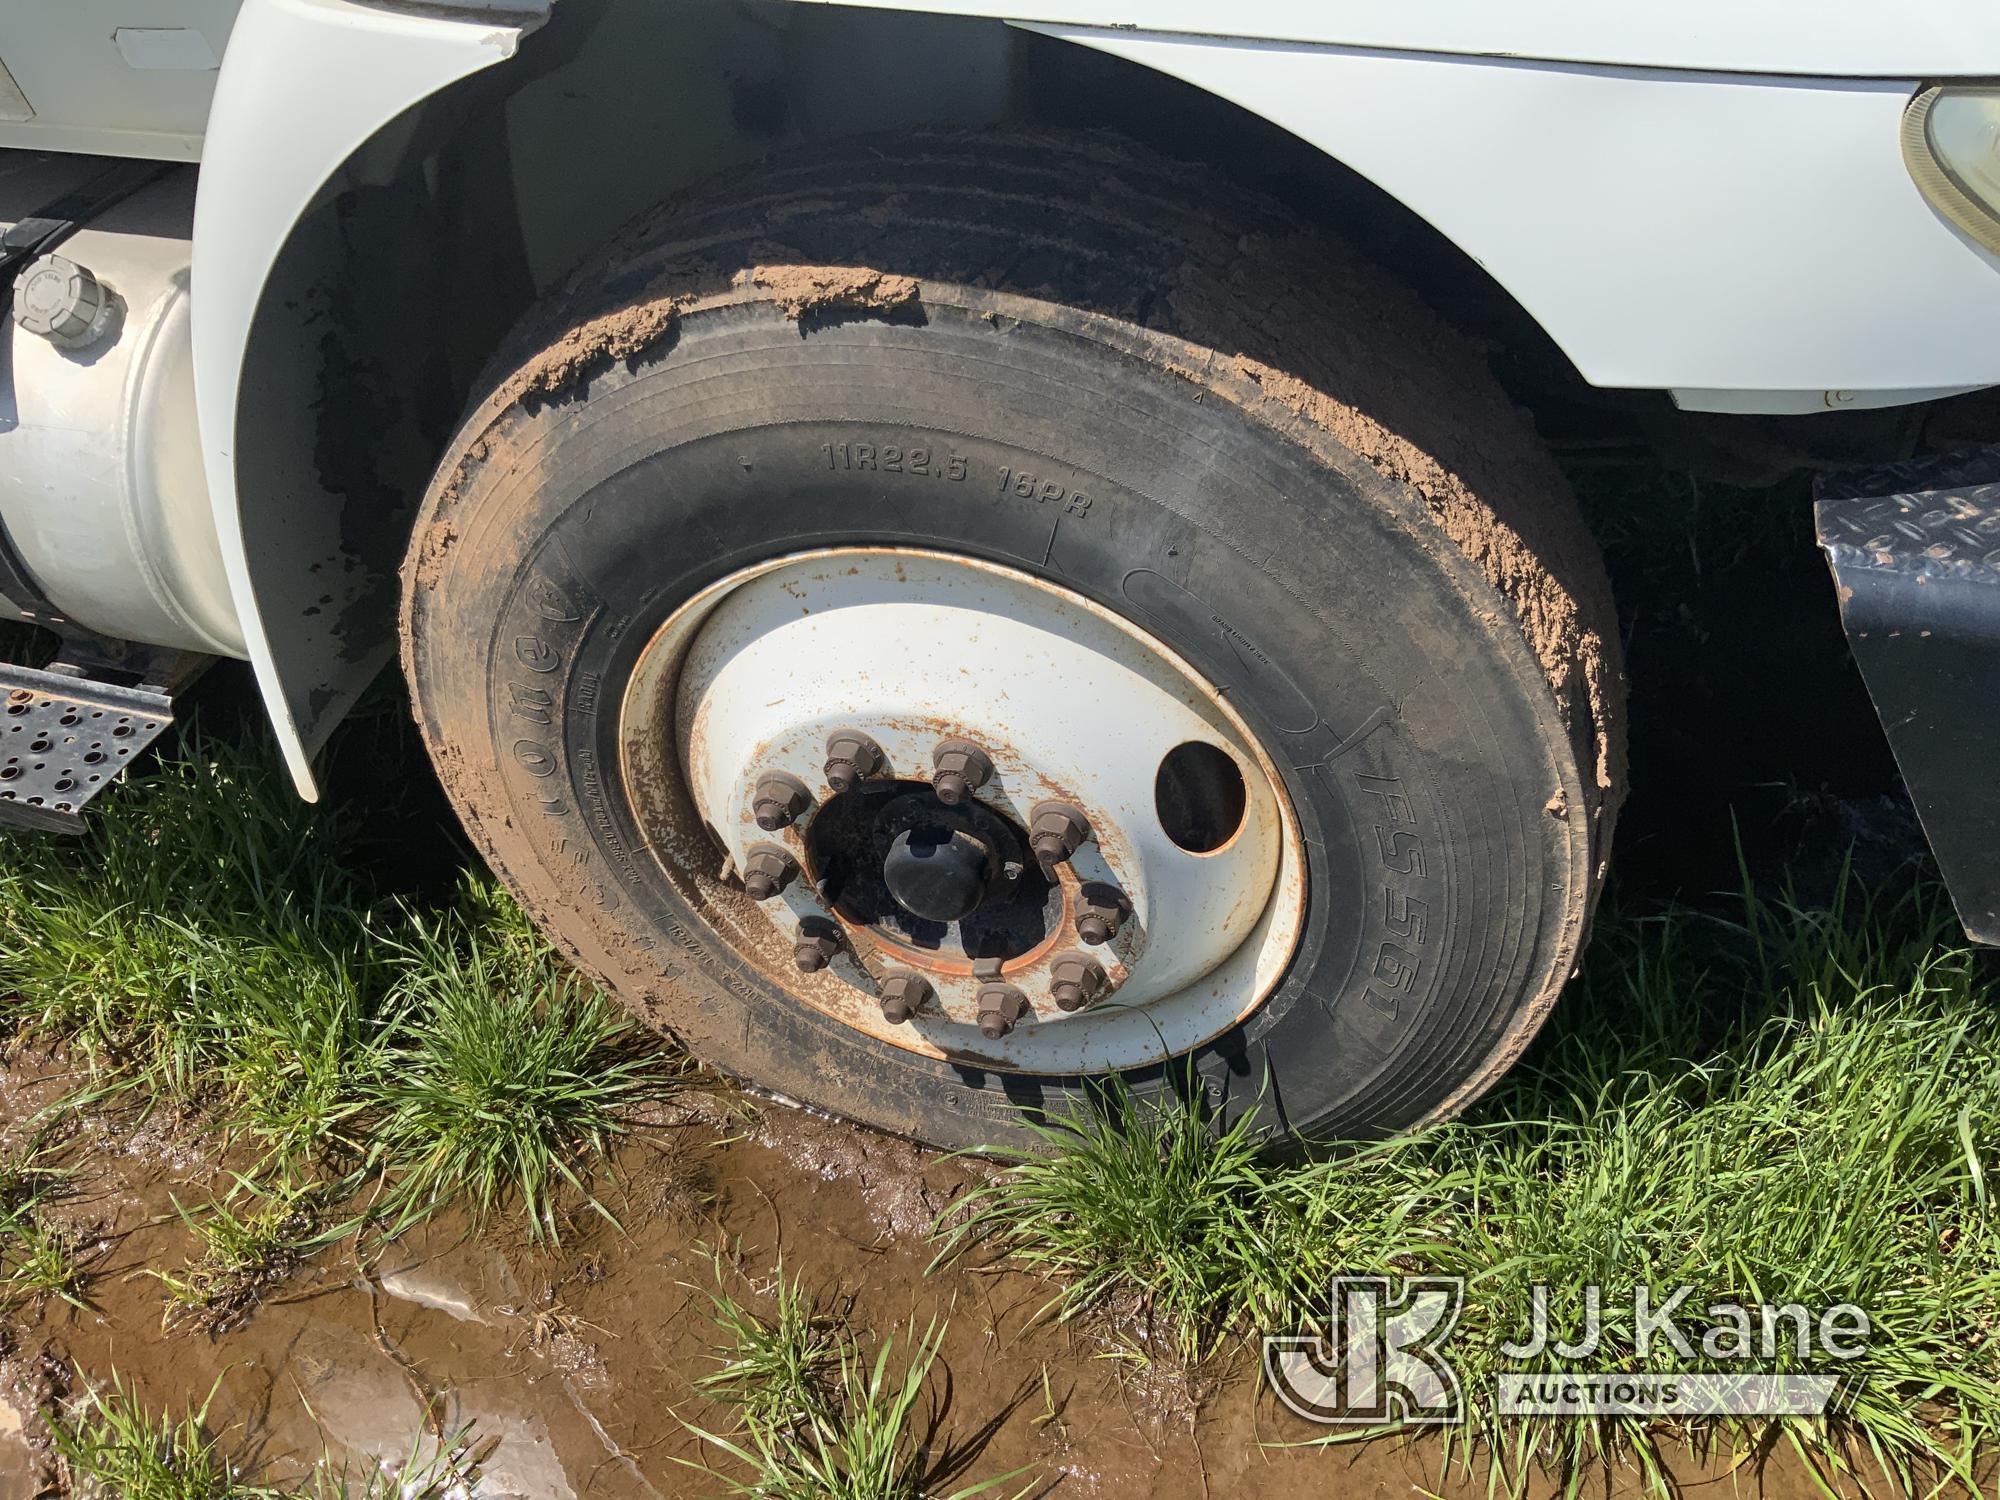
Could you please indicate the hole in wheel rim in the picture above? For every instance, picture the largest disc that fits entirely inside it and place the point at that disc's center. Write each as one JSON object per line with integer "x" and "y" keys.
{"x": 1200, "y": 796}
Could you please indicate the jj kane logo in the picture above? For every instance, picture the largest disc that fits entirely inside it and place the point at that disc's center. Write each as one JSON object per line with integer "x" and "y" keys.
{"x": 1381, "y": 1361}
{"x": 1383, "y": 1357}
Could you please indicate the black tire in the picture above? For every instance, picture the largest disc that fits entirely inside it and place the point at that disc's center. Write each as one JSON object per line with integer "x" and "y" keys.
{"x": 1297, "y": 477}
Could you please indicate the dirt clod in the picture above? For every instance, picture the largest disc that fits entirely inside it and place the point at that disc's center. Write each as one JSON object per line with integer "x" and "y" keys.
{"x": 803, "y": 290}
{"x": 619, "y": 334}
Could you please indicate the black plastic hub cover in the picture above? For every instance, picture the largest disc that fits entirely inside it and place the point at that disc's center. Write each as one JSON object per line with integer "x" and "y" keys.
{"x": 936, "y": 872}
{"x": 888, "y": 855}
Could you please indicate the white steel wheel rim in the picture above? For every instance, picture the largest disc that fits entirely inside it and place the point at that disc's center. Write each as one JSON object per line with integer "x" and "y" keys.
{"x": 1073, "y": 704}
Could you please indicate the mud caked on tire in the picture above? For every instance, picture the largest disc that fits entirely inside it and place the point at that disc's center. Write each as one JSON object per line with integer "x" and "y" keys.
{"x": 1096, "y": 368}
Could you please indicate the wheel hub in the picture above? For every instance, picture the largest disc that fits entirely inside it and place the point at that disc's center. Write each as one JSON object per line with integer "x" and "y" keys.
{"x": 1024, "y": 833}
{"x": 937, "y": 874}
{"x": 888, "y": 856}
{"x": 939, "y": 870}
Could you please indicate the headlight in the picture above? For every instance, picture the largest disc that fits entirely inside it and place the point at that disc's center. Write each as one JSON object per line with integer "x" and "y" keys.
{"x": 1951, "y": 142}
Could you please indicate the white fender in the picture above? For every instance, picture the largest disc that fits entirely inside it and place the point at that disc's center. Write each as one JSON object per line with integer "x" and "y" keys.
{"x": 1751, "y": 243}
{"x": 302, "y": 84}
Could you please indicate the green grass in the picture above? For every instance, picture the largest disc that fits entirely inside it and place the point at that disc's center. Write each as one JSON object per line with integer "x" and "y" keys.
{"x": 1802, "y": 1105}
{"x": 250, "y": 1239}
{"x": 205, "y": 943}
{"x": 213, "y": 947}
{"x": 111, "y": 1445}
{"x": 1156, "y": 1205}
{"x": 39, "y": 1257}
{"x": 502, "y": 1072}
{"x": 775, "y": 1368}
{"x": 818, "y": 1419}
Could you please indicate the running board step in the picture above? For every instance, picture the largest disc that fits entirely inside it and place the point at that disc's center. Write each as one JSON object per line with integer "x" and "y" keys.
{"x": 1915, "y": 553}
{"x": 73, "y": 726}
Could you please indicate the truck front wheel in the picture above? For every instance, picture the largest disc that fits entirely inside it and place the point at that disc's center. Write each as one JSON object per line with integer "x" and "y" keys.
{"x": 937, "y": 623}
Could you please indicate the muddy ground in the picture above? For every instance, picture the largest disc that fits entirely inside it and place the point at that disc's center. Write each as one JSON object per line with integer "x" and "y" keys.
{"x": 575, "y": 1366}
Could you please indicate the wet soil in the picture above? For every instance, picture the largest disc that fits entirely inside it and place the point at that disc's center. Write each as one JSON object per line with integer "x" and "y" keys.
{"x": 575, "y": 1366}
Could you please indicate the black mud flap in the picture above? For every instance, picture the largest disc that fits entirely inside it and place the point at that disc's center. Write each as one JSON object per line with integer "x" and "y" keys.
{"x": 1915, "y": 553}
{"x": 69, "y": 729}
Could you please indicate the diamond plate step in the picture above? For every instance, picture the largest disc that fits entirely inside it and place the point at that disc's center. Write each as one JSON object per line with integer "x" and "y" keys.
{"x": 67, "y": 731}
{"x": 1915, "y": 553}
{"x": 65, "y": 742}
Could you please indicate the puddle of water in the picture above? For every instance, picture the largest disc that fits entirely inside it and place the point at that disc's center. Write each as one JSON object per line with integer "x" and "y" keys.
{"x": 17, "y": 1459}
{"x": 425, "y": 1286}
{"x": 576, "y": 1365}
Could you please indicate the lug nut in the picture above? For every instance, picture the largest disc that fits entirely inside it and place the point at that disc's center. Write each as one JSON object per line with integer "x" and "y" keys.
{"x": 903, "y": 995}
{"x": 767, "y": 870}
{"x": 818, "y": 941}
{"x": 850, "y": 757}
{"x": 1075, "y": 981}
{"x": 1056, "y": 831}
{"x": 959, "y": 768}
{"x": 1100, "y": 911}
{"x": 779, "y": 801}
{"x": 1000, "y": 1007}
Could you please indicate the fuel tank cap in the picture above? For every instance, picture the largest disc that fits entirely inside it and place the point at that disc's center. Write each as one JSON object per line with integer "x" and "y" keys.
{"x": 61, "y": 301}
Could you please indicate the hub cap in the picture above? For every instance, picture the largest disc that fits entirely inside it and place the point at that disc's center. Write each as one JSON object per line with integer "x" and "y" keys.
{"x": 1104, "y": 777}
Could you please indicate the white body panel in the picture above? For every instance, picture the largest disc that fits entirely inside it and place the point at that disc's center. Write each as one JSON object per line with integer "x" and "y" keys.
{"x": 85, "y": 87}
{"x": 1823, "y": 38}
{"x": 109, "y": 76}
{"x": 1755, "y": 242}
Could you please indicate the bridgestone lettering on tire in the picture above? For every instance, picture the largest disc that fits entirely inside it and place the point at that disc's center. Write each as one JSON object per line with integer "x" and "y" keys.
{"x": 1112, "y": 382}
